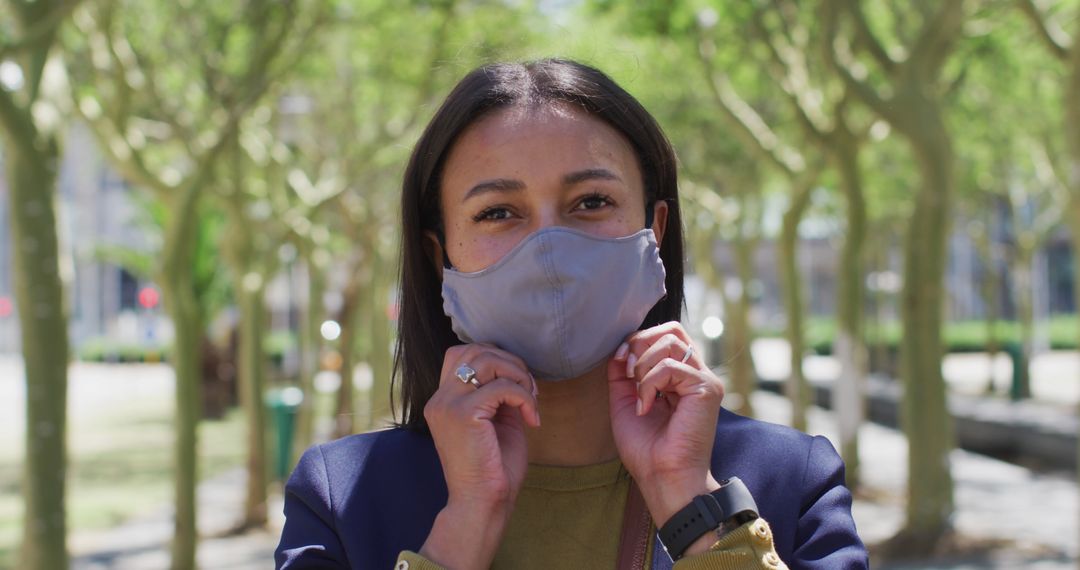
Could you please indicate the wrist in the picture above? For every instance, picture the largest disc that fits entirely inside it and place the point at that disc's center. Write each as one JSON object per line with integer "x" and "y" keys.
{"x": 695, "y": 527}
{"x": 666, "y": 496}
{"x": 479, "y": 525}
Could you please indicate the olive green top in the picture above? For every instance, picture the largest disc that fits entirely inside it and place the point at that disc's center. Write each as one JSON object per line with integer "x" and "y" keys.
{"x": 571, "y": 517}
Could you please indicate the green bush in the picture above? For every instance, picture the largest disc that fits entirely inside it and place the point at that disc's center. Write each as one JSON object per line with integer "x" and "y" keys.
{"x": 101, "y": 349}
{"x": 958, "y": 336}
{"x": 276, "y": 344}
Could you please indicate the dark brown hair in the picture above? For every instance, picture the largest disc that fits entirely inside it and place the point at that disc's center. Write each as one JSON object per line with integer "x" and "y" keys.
{"x": 424, "y": 332}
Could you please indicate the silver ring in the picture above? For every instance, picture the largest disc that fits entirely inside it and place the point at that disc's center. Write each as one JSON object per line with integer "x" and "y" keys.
{"x": 689, "y": 353}
{"x": 467, "y": 375}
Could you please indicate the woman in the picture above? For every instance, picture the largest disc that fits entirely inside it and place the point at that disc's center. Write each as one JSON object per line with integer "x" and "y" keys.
{"x": 556, "y": 414}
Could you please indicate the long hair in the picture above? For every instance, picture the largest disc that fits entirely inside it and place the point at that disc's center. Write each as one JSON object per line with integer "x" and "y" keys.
{"x": 424, "y": 331}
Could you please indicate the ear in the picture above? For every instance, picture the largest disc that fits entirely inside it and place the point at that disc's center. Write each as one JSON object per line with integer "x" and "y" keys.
{"x": 434, "y": 251}
{"x": 659, "y": 225}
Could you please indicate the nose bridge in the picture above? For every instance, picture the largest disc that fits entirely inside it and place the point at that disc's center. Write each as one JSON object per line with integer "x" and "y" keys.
{"x": 547, "y": 214}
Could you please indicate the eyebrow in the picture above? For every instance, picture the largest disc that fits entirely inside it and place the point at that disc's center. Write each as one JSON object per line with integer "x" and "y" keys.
{"x": 511, "y": 185}
{"x": 496, "y": 185}
{"x": 589, "y": 174}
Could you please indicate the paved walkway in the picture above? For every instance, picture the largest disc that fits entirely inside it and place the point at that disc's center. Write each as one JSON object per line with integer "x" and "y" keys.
{"x": 94, "y": 390}
{"x": 1055, "y": 375}
{"x": 1034, "y": 516}
{"x": 1031, "y": 518}
{"x": 143, "y": 543}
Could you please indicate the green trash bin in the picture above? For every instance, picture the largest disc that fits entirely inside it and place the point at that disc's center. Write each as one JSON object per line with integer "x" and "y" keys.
{"x": 283, "y": 404}
{"x": 1018, "y": 387}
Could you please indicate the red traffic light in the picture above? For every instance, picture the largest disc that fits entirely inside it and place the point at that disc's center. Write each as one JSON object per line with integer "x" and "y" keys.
{"x": 149, "y": 297}
{"x": 5, "y": 307}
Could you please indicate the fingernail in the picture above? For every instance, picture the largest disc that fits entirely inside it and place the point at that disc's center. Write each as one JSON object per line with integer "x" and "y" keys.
{"x": 639, "y": 407}
{"x": 621, "y": 353}
{"x": 536, "y": 391}
{"x": 630, "y": 362}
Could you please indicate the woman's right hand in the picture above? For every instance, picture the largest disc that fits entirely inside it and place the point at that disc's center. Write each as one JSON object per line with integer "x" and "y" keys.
{"x": 479, "y": 433}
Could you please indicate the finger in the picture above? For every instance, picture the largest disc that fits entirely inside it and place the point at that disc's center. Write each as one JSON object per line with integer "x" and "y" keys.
{"x": 514, "y": 360}
{"x": 672, "y": 376}
{"x": 454, "y": 358}
{"x": 620, "y": 388}
{"x": 622, "y": 352}
{"x": 520, "y": 362}
{"x": 505, "y": 354}
{"x": 488, "y": 362}
{"x": 490, "y": 365}
{"x": 641, "y": 340}
{"x": 502, "y": 392}
{"x": 668, "y": 346}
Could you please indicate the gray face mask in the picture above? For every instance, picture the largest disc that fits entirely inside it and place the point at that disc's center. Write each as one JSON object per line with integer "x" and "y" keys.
{"x": 562, "y": 300}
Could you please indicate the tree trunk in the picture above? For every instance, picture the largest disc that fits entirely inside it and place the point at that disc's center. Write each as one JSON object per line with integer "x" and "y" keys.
{"x": 796, "y": 389}
{"x": 988, "y": 291}
{"x": 743, "y": 375}
{"x": 1022, "y": 270}
{"x": 310, "y": 346}
{"x": 701, "y": 240}
{"x": 881, "y": 352}
{"x": 178, "y": 283}
{"x": 249, "y": 275}
{"x": 925, "y": 413}
{"x": 1074, "y": 210}
{"x": 381, "y": 357}
{"x": 850, "y": 345}
{"x": 1072, "y": 139}
{"x": 363, "y": 346}
{"x": 251, "y": 369}
{"x": 31, "y": 176}
{"x": 345, "y": 412}
{"x": 187, "y": 322}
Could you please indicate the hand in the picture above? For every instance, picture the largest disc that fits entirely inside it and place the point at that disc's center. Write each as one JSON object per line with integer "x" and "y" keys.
{"x": 663, "y": 415}
{"x": 479, "y": 433}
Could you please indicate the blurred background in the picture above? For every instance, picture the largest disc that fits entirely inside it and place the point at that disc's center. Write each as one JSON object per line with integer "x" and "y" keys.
{"x": 199, "y": 240}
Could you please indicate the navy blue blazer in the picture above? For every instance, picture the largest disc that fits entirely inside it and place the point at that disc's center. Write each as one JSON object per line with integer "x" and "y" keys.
{"x": 359, "y": 501}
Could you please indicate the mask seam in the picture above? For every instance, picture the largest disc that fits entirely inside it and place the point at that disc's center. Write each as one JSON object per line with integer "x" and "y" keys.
{"x": 543, "y": 233}
{"x": 548, "y": 264}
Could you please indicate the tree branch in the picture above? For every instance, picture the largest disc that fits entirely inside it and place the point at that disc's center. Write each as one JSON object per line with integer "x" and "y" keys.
{"x": 865, "y": 38}
{"x": 1048, "y": 174}
{"x": 747, "y": 122}
{"x": 16, "y": 123}
{"x": 793, "y": 77}
{"x": 167, "y": 114}
{"x": 427, "y": 87}
{"x": 128, "y": 162}
{"x": 858, "y": 88}
{"x": 932, "y": 47}
{"x": 39, "y": 29}
{"x": 1052, "y": 36}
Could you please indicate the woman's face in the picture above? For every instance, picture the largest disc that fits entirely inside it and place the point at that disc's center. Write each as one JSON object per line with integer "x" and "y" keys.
{"x": 516, "y": 171}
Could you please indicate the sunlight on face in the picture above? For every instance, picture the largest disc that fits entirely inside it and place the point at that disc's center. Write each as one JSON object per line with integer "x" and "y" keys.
{"x": 517, "y": 171}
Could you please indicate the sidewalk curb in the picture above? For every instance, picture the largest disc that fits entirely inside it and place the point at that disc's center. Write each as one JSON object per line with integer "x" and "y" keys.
{"x": 1021, "y": 432}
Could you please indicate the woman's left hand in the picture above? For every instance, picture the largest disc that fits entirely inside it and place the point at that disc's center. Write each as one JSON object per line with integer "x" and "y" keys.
{"x": 663, "y": 415}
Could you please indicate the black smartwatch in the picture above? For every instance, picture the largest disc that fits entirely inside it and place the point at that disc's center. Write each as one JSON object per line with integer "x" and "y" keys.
{"x": 724, "y": 509}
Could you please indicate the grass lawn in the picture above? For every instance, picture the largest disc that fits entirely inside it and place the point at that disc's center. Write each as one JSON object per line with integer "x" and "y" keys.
{"x": 120, "y": 466}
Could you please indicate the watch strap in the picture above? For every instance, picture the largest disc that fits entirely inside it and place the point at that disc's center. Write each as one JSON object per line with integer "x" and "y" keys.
{"x": 707, "y": 513}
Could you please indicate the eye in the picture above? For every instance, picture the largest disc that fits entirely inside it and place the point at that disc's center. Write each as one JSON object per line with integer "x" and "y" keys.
{"x": 493, "y": 214}
{"x": 593, "y": 202}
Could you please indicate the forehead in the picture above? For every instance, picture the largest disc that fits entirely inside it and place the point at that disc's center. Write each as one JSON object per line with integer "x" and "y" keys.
{"x": 559, "y": 137}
